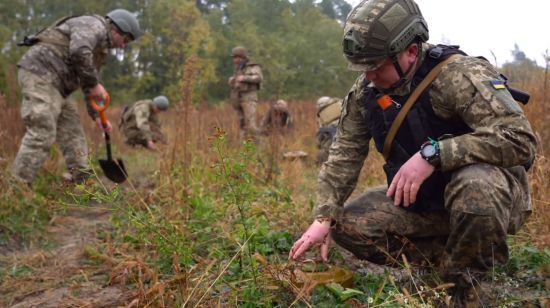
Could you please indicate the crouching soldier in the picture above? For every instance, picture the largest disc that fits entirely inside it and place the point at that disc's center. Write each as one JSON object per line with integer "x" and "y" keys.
{"x": 140, "y": 125}
{"x": 277, "y": 119}
{"x": 328, "y": 113}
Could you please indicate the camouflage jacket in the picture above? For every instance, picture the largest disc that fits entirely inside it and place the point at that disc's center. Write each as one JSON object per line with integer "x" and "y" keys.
{"x": 501, "y": 134}
{"x": 275, "y": 119}
{"x": 140, "y": 119}
{"x": 253, "y": 78}
{"x": 71, "y": 54}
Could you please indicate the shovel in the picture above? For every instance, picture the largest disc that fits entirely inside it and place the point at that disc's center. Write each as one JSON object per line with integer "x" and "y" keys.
{"x": 113, "y": 170}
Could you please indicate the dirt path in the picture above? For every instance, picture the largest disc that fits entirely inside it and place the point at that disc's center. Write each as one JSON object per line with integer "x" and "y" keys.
{"x": 64, "y": 275}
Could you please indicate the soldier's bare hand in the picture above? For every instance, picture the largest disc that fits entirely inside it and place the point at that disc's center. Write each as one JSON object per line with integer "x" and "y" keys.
{"x": 108, "y": 128}
{"x": 151, "y": 145}
{"x": 317, "y": 233}
{"x": 98, "y": 92}
{"x": 406, "y": 183}
{"x": 240, "y": 78}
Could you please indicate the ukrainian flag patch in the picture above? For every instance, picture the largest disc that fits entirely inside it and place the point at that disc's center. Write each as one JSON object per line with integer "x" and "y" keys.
{"x": 498, "y": 84}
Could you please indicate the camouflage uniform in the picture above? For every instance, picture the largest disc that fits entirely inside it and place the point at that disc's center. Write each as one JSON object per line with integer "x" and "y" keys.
{"x": 327, "y": 118}
{"x": 140, "y": 124}
{"x": 486, "y": 198}
{"x": 69, "y": 57}
{"x": 277, "y": 119}
{"x": 244, "y": 95}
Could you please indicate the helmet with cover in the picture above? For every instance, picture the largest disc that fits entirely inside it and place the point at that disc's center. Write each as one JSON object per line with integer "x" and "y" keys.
{"x": 239, "y": 51}
{"x": 323, "y": 102}
{"x": 379, "y": 29}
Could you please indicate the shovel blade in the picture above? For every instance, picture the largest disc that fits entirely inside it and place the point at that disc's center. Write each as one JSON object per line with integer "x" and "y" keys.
{"x": 113, "y": 170}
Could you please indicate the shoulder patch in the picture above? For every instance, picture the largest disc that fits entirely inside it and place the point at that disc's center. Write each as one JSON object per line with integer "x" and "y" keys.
{"x": 497, "y": 84}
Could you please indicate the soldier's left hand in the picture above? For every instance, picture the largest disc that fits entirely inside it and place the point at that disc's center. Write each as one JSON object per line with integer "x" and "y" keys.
{"x": 240, "y": 78}
{"x": 407, "y": 181}
{"x": 108, "y": 128}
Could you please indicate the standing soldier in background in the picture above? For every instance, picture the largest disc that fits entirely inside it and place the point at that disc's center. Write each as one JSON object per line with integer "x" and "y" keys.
{"x": 245, "y": 83}
{"x": 64, "y": 57}
{"x": 328, "y": 113}
{"x": 140, "y": 124}
{"x": 277, "y": 119}
{"x": 456, "y": 168}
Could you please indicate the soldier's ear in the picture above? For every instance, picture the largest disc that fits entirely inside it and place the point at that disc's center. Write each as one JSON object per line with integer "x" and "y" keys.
{"x": 412, "y": 50}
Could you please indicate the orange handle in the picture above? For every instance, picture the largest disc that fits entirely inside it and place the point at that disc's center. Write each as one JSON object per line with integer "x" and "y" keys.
{"x": 101, "y": 108}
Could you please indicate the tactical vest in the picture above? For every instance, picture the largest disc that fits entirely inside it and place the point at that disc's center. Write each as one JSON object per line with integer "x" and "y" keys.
{"x": 420, "y": 124}
{"x": 60, "y": 42}
{"x": 245, "y": 86}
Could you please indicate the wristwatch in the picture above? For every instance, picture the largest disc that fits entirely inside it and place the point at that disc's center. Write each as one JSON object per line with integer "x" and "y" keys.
{"x": 429, "y": 150}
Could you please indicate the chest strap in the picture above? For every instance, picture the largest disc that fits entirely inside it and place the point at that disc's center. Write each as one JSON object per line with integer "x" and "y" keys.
{"x": 410, "y": 102}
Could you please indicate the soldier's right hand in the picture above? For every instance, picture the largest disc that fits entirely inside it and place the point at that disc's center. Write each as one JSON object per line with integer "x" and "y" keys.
{"x": 151, "y": 145}
{"x": 108, "y": 128}
{"x": 317, "y": 233}
{"x": 98, "y": 92}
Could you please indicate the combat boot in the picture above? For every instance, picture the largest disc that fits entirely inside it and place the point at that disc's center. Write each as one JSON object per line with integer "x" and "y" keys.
{"x": 78, "y": 176}
{"x": 466, "y": 297}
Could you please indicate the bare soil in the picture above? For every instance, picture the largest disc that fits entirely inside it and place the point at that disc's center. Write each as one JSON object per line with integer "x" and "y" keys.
{"x": 65, "y": 275}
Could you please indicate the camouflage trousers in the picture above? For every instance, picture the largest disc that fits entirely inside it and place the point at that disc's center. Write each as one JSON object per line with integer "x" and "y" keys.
{"x": 135, "y": 137}
{"x": 324, "y": 141}
{"x": 245, "y": 105}
{"x": 48, "y": 118}
{"x": 483, "y": 204}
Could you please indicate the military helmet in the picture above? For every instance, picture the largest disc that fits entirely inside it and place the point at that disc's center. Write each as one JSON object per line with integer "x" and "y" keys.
{"x": 281, "y": 104}
{"x": 378, "y": 29}
{"x": 239, "y": 51}
{"x": 125, "y": 21}
{"x": 322, "y": 102}
{"x": 328, "y": 110}
{"x": 161, "y": 102}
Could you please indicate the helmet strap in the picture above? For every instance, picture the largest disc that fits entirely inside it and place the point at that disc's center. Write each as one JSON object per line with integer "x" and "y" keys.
{"x": 402, "y": 75}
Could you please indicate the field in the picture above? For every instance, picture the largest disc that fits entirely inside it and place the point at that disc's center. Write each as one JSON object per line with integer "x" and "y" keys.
{"x": 208, "y": 221}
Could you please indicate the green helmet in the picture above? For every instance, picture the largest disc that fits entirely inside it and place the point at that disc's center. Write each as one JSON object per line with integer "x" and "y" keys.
{"x": 378, "y": 29}
{"x": 239, "y": 51}
{"x": 161, "y": 102}
{"x": 126, "y": 22}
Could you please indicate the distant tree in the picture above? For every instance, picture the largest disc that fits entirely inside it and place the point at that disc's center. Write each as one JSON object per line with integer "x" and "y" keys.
{"x": 297, "y": 43}
{"x": 519, "y": 56}
{"x": 521, "y": 69}
{"x": 335, "y": 9}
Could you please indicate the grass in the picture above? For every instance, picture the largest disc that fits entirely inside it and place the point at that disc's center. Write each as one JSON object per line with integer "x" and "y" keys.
{"x": 209, "y": 219}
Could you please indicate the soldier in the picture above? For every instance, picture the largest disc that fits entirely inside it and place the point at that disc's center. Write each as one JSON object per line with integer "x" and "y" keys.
{"x": 140, "y": 124}
{"x": 277, "y": 118}
{"x": 245, "y": 83}
{"x": 328, "y": 113}
{"x": 456, "y": 175}
{"x": 64, "y": 57}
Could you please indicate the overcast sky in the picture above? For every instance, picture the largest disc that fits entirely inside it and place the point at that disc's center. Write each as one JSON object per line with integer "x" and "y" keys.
{"x": 482, "y": 26}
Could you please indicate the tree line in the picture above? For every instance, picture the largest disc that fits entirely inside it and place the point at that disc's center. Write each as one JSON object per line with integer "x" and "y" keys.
{"x": 296, "y": 42}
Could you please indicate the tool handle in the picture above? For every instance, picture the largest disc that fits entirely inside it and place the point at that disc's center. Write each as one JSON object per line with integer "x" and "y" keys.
{"x": 108, "y": 145}
{"x": 100, "y": 108}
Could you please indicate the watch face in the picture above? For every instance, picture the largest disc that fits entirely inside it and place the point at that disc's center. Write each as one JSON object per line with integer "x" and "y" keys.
{"x": 428, "y": 150}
